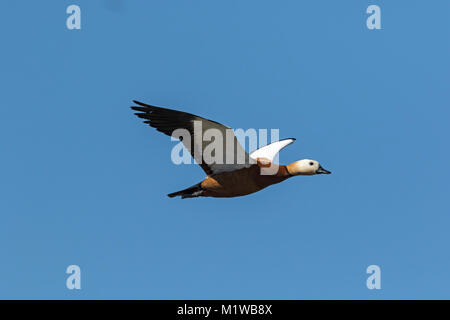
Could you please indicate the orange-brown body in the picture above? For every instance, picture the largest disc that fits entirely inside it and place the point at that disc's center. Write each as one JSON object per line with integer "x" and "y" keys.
{"x": 241, "y": 182}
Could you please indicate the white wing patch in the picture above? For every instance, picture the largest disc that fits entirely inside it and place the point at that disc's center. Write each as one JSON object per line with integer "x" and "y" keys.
{"x": 271, "y": 150}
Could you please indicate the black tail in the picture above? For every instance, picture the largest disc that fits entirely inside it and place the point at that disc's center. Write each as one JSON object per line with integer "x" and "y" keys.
{"x": 191, "y": 192}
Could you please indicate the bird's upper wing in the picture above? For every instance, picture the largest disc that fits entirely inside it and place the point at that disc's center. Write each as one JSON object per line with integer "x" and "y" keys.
{"x": 271, "y": 150}
{"x": 167, "y": 121}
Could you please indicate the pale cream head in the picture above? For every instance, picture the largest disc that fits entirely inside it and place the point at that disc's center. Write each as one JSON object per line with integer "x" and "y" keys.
{"x": 306, "y": 167}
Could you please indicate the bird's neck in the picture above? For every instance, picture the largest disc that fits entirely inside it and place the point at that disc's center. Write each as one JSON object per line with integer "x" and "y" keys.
{"x": 283, "y": 172}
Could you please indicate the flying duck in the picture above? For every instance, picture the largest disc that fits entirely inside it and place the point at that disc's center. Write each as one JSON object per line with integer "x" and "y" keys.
{"x": 223, "y": 179}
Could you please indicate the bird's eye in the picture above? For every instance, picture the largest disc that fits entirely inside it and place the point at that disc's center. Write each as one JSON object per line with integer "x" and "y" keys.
{"x": 311, "y": 163}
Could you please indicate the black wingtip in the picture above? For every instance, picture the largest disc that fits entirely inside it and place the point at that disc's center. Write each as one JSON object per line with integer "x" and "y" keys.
{"x": 136, "y": 102}
{"x": 140, "y": 109}
{"x": 140, "y": 103}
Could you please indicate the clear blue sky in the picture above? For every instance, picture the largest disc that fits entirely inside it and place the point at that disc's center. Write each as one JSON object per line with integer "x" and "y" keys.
{"x": 84, "y": 182}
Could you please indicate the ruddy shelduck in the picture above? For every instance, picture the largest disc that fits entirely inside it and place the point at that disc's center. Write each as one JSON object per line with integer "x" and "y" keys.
{"x": 224, "y": 179}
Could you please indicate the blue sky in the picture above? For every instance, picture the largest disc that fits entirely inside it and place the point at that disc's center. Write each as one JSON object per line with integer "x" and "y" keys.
{"x": 84, "y": 182}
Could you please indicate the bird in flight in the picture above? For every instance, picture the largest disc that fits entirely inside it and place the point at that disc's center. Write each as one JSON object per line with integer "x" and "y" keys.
{"x": 245, "y": 174}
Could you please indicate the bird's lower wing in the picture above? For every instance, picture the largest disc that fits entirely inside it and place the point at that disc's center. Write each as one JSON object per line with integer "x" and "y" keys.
{"x": 213, "y": 145}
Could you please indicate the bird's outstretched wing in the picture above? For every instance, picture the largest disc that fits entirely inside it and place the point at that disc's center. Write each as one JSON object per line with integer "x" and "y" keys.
{"x": 270, "y": 151}
{"x": 168, "y": 121}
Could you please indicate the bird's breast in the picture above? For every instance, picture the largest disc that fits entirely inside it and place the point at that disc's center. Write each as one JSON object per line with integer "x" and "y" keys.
{"x": 237, "y": 183}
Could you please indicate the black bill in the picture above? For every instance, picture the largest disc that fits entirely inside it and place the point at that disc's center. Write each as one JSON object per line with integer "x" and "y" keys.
{"x": 322, "y": 171}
